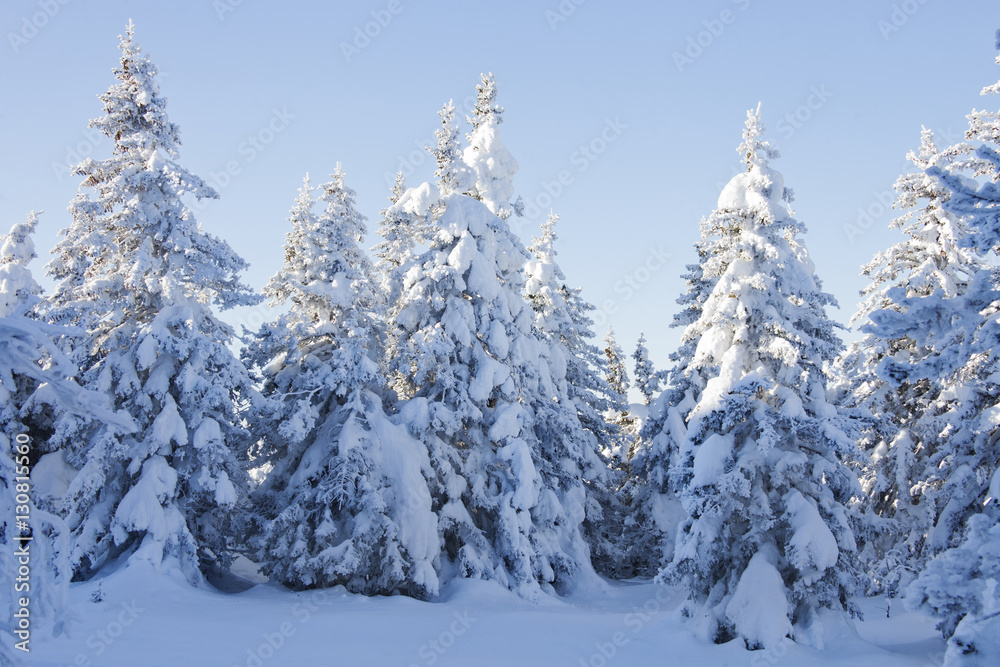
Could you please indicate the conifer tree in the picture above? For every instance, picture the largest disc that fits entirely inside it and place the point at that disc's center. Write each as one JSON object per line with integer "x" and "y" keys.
{"x": 618, "y": 411}
{"x": 20, "y": 292}
{"x": 768, "y": 539}
{"x": 34, "y": 375}
{"x": 560, "y": 318}
{"x": 617, "y": 377}
{"x": 140, "y": 276}
{"x": 660, "y": 435}
{"x": 491, "y": 164}
{"x": 488, "y": 394}
{"x": 646, "y": 379}
{"x": 402, "y": 232}
{"x": 958, "y": 329}
{"x": 623, "y": 428}
{"x": 563, "y": 315}
{"x": 346, "y": 501}
{"x": 959, "y": 584}
{"x": 899, "y": 440}
{"x": 452, "y": 174}
{"x": 587, "y": 380}
{"x": 647, "y": 501}
{"x": 455, "y": 334}
{"x": 653, "y": 485}
{"x": 396, "y": 228}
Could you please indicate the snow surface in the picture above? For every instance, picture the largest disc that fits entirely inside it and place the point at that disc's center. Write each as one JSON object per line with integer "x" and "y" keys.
{"x": 154, "y": 620}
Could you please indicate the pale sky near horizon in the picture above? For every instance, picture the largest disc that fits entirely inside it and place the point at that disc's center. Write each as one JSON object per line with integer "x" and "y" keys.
{"x": 624, "y": 117}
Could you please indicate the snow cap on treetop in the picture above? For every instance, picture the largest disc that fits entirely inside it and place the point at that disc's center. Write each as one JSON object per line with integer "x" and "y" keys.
{"x": 755, "y": 150}
{"x": 18, "y": 289}
{"x": 17, "y": 247}
{"x": 759, "y": 187}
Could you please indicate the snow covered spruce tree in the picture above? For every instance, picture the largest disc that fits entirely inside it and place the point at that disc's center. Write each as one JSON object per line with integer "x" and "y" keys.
{"x": 491, "y": 165}
{"x": 346, "y": 501}
{"x": 488, "y": 395}
{"x": 768, "y": 539}
{"x": 560, "y": 317}
{"x": 563, "y": 315}
{"x": 140, "y": 276}
{"x": 19, "y": 296}
{"x": 646, "y": 379}
{"x": 35, "y": 381}
{"x": 653, "y": 509}
{"x": 902, "y": 438}
{"x": 396, "y": 228}
{"x": 29, "y": 360}
{"x": 618, "y": 404}
{"x": 960, "y": 584}
{"x": 452, "y": 174}
{"x": 663, "y": 428}
{"x": 617, "y": 377}
{"x": 587, "y": 376}
{"x": 959, "y": 587}
{"x": 401, "y": 232}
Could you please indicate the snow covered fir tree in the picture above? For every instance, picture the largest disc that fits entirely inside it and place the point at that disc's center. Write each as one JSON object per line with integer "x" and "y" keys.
{"x": 652, "y": 490}
{"x": 439, "y": 409}
{"x": 139, "y": 276}
{"x": 36, "y": 384}
{"x": 646, "y": 379}
{"x": 345, "y": 500}
{"x": 960, "y": 584}
{"x": 617, "y": 411}
{"x": 561, "y": 317}
{"x": 761, "y": 457}
{"x": 486, "y": 388}
{"x": 903, "y": 436}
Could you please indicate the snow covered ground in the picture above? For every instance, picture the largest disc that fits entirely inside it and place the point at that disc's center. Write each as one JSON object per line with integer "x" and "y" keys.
{"x": 152, "y": 620}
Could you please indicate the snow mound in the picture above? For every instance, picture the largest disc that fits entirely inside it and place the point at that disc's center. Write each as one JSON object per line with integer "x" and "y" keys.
{"x": 51, "y": 476}
{"x": 758, "y": 608}
{"x": 710, "y": 459}
{"x": 761, "y": 188}
{"x": 812, "y": 547}
{"x": 416, "y": 201}
{"x": 976, "y": 642}
{"x": 493, "y": 166}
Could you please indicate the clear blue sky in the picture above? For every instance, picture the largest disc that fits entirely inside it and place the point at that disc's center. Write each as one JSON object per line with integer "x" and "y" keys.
{"x": 657, "y": 90}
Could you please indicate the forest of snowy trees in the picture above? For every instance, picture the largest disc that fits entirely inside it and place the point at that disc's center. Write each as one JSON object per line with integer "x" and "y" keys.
{"x": 442, "y": 407}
